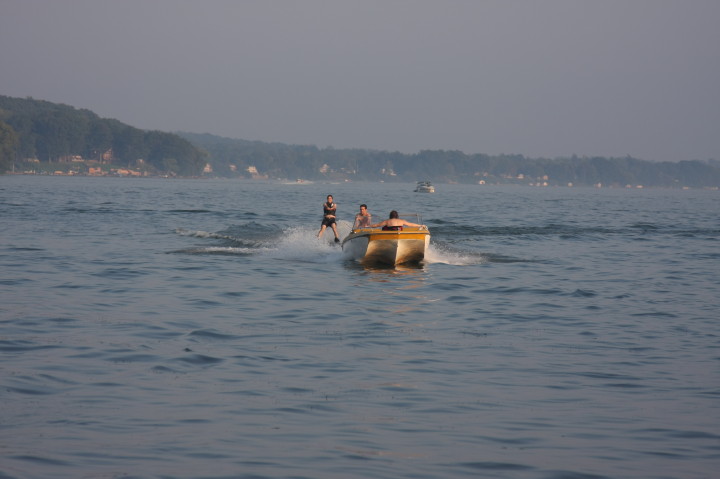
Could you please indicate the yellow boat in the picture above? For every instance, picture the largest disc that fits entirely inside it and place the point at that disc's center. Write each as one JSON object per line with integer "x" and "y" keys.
{"x": 407, "y": 244}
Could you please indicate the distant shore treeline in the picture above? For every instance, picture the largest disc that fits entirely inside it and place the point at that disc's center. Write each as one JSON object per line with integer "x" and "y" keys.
{"x": 44, "y": 136}
{"x": 277, "y": 160}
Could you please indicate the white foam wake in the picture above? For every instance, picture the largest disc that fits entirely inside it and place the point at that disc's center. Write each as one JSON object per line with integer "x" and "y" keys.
{"x": 443, "y": 255}
{"x": 302, "y": 244}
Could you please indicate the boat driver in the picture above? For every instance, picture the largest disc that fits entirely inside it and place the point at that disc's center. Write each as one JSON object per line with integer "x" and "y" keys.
{"x": 394, "y": 222}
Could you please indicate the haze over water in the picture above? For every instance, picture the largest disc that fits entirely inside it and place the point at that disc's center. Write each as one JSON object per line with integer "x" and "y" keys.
{"x": 157, "y": 328}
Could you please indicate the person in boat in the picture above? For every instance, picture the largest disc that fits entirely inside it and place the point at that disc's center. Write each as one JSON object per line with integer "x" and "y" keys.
{"x": 329, "y": 211}
{"x": 394, "y": 223}
{"x": 362, "y": 219}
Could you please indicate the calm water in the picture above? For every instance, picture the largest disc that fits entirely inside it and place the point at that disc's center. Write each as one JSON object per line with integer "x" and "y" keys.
{"x": 197, "y": 329}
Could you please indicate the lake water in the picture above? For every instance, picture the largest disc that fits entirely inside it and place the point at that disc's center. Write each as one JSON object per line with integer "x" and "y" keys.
{"x": 155, "y": 328}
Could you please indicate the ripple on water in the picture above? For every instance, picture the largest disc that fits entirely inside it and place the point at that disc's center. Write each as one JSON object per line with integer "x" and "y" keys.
{"x": 212, "y": 334}
{"x": 199, "y": 360}
{"x": 42, "y": 460}
{"x": 22, "y": 346}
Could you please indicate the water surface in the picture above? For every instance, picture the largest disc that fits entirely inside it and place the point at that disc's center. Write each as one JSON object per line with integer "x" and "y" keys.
{"x": 196, "y": 328}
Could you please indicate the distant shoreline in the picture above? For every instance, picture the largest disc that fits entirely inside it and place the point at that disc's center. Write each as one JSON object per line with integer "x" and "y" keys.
{"x": 286, "y": 181}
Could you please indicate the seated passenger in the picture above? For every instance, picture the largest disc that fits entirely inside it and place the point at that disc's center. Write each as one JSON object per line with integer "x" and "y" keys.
{"x": 394, "y": 222}
{"x": 362, "y": 219}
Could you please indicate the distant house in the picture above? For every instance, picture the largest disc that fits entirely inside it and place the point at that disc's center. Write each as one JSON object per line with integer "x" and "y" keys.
{"x": 107, "y": 157}
{"x": 254, "y": 173}
{"x": 102, "y": 157}
{"x": 126, "y": 172}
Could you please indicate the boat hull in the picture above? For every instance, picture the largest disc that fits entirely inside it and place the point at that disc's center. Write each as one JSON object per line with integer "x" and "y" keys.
{"x": 375, "y": 246}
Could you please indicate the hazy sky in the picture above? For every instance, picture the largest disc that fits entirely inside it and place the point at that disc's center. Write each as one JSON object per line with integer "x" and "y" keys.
{"x": 539, "y": 78}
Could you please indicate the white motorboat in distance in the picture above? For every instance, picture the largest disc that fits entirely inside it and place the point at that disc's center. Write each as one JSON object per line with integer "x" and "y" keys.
{"x": 424, "y": 187}
{"x": 397, "y": 245}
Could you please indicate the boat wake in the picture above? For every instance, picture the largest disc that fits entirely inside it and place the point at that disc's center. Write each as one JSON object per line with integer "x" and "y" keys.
{"x": 444, "y": 255}
{"x": 300, "y": 243}
{"x": 297, "y": 243}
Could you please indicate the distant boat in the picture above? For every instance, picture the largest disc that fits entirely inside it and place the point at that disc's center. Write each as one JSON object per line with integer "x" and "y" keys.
{"x": 424, "y": 187}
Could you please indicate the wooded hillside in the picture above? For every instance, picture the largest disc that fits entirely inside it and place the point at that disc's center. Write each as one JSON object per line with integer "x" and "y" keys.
{"x": 55, "y": 133}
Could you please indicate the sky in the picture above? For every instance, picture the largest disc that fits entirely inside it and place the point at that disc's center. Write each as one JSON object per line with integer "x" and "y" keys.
{"x": 550, "y": 78}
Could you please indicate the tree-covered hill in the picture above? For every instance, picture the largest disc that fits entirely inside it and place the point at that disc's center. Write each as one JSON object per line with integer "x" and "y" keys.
{"x": 51, "y": 133}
